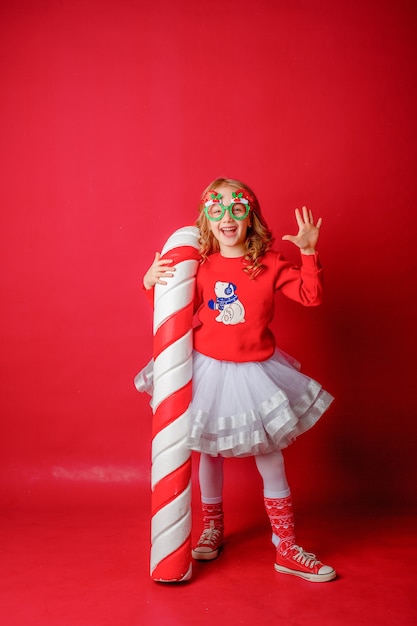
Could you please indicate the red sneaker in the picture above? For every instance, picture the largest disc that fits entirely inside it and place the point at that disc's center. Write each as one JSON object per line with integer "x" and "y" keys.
{"x": 209, "y": 544}
{"x": 304, "y": 564}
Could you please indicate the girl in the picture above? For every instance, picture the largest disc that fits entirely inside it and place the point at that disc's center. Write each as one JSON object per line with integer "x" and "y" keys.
{"x": 249, "y": 398}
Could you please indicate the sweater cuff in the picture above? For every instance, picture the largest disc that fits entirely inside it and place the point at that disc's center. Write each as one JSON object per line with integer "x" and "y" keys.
{"x": 149, "y": 294}
{"x": 310, "y": 261}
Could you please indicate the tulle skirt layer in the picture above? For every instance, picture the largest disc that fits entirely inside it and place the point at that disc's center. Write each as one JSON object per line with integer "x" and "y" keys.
{"x": 250, "y": 408}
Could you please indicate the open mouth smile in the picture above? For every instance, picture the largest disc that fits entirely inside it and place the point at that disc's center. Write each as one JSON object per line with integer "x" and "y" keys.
{"x": 228, "y": 231}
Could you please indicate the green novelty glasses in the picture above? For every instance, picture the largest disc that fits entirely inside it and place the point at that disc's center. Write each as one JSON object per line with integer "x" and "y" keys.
{"x": 238, "y": 209}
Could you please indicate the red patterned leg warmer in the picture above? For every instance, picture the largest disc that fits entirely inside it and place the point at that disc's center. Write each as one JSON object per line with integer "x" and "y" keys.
{"x": 281, "y": 516}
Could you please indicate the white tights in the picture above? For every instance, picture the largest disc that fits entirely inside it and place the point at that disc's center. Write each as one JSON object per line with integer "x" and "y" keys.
{"x": 270, "y": 466}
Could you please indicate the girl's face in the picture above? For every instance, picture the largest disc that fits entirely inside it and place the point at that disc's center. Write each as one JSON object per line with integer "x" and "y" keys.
{"x": 230, "y": 233}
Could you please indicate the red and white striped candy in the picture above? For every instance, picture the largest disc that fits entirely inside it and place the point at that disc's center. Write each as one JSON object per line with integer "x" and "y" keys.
{"x": 171, "y": 459}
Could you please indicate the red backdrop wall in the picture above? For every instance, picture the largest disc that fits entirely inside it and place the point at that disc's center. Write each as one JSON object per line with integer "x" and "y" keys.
{"x": 115, "y": 115}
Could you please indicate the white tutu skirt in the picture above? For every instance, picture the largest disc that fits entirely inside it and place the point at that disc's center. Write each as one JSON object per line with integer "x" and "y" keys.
{"x": 249, "y": 408}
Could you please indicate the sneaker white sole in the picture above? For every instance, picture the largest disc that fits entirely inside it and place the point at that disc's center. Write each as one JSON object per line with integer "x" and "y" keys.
{"x": 314, "y": 578}
{"x": 205, "y": 556}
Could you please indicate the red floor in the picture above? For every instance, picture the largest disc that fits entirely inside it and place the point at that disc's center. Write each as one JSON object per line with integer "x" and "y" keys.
{"x": 87, "y": 565}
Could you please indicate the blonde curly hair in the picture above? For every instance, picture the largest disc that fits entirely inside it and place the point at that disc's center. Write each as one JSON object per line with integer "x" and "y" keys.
{"x": 259, "y": 238}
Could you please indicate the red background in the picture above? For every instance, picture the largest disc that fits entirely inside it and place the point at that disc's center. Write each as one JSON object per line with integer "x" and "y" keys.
{"x": 115, "y": 115}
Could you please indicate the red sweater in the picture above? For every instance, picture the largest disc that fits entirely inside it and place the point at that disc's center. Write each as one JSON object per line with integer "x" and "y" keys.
{"x": 235, "y": 311}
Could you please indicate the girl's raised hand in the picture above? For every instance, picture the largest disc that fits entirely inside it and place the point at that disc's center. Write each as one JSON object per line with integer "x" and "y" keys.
{"x": 308, "y": 232}
{"x": 159, "y": 269}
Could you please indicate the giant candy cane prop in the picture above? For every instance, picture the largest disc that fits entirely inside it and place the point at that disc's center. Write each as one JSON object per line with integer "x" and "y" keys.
{"x": 171, "y": 460}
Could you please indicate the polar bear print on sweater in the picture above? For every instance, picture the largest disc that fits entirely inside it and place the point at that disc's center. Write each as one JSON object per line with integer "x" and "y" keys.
{"x": 231, "y": 310}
